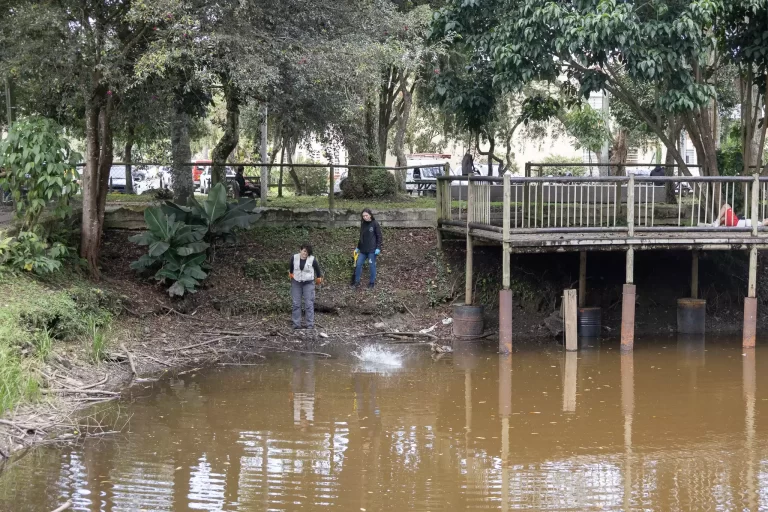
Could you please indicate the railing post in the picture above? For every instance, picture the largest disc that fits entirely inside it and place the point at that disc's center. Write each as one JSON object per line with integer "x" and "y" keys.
{"x": 631, "y": 205}
{"x": 506, "y": 226}
{"x": 439, "y": 212}
{"x": 332, "y": 187}
{"x": 755, "y": 203}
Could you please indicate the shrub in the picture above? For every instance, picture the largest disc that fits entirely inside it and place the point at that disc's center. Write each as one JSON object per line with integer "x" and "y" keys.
{"x": 367, "y": 183}
{"x": 564, "y": 170}
{"x": 28, "y": 252}
{"x": 38, "y": 169}
{"x": 176, "y": 251}
{"x": 314, "y": 180}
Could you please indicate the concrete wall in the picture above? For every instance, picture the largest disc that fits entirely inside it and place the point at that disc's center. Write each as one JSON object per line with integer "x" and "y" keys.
{"x": 132, "y": 217}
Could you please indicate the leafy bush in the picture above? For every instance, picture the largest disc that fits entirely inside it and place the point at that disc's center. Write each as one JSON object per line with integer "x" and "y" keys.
{"x": 314, "y": 180}
{"x": 564, "y": 170}
{"x": 38, "y": 169}
{"x": 216, "y": 215}
{"x": 366, "y": 183}
{"x": 30, "y": 253}
{"x": 176, "y": 251}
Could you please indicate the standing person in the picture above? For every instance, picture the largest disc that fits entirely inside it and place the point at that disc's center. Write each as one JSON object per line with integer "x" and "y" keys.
{"x": 305, "y": 273}
{"x": 368, "y": 247}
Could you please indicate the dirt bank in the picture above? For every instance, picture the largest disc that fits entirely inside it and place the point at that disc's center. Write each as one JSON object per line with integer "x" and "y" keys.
{"x": 243, "y": 311}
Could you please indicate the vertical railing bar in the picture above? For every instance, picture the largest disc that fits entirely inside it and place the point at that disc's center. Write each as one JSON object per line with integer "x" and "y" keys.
{"x": 693, "y": 201}
{"x": 719, "y": 201}
{"x": 706, "y": 201}
{"x": 536, "y": 206}
{"x": 561, "y": 204}
{"x": 646, "y": 204}
{"x": 549, "y": 204}
{"x": 581, "y": 204}
{"x": 594, "y": 204}
{"x": 616, "y": 193}
{"x": 680, "y": 205}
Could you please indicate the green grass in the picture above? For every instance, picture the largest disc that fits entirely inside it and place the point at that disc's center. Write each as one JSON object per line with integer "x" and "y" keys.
{"x": 351, "y": 204}
{"x": 97, "y": 337}
{"x": 36, "y": 316}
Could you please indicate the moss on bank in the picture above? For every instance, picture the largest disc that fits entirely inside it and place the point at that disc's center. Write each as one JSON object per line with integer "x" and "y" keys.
{"x": 36, "y": 318}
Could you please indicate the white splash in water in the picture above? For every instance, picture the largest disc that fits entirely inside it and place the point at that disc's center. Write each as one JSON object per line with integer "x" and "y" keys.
{"x": 373, "y": 355}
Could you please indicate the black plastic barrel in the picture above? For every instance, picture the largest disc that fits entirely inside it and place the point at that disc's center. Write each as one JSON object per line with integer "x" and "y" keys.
{"x": 691, "y": 316}
{"x": 590, "y": 322}
{"x": 467, "y": 321}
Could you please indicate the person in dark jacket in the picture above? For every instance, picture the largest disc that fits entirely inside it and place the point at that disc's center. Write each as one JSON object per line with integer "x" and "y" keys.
{"x": 368, "y": 247}
{"x": 305, "y": 273}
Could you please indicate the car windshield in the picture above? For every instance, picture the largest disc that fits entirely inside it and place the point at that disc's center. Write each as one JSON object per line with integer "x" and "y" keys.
{"x": 431, "y": 172}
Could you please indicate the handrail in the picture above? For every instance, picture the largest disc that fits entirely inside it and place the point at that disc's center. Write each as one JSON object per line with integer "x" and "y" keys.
{"x": 608, "y": 204}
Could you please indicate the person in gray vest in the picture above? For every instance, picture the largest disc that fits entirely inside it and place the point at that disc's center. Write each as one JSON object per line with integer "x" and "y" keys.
{"x": 305, "y": 273}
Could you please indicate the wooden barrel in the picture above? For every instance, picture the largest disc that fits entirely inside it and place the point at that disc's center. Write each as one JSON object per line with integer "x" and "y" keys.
{"x": 590, "y": 322}
{"x": 691, "y": 316}
{"x": 467, "y": 321}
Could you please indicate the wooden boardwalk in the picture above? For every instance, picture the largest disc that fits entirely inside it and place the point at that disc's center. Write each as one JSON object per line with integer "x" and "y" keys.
{"x": 618, "y": 213}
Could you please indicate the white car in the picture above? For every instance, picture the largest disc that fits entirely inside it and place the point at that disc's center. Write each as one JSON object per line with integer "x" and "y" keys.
{"x": 205, "y": 178}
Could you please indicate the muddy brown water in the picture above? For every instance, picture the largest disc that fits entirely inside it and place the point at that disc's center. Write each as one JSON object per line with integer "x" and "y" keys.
{"x": 678, "y": 425}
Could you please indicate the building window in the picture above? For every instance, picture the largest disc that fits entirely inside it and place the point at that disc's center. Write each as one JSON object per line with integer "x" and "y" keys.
{"x": 632, "y": 155}
{"x": 690, "y": 156}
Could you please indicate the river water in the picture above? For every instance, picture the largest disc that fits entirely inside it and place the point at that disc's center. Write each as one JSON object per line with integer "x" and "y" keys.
{"x": 678, "y": 425}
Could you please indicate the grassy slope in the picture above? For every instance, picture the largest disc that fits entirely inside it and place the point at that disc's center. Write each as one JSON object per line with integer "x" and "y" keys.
{"x": 38, "y": 318}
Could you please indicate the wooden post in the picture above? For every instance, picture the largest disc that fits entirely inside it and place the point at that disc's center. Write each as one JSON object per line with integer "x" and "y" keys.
{"x": 582, "y": 279}
{"x": 750, "y": 304}
{"x": 570, "y": 301}
{"x": 628, "y": 306}
{"x": 569, "y": 381}
{"x": 505, "y": 296}
{"x": 439, "y": 212}
{"x": 331, "y": 188}
{"x": 695, "y": 275}
{"x": 755, "y": 203}
{"x": 631, "y": 205}
{"x": 470, "y": 247}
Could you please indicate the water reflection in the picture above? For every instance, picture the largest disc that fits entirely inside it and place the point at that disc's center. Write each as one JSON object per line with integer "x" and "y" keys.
{"x": 665, "y": 428}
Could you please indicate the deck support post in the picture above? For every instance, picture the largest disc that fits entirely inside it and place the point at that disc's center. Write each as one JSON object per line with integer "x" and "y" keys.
{"x": 750, "y": 303}
{"x": 439, "y": 212}
{"x": 695, "y": 275}
{"x": 470, "y": 246}
{"x": 505, "y": 296}
{"x": 628, "y": 306}
{"x": 569, "y": 315}
{"x": 582, "y": 279}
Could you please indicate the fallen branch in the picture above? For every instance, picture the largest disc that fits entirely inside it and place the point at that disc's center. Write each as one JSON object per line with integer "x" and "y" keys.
{"x": 78, "y": 391}
{"x": 214, "y": 340}
{"x": 16, "y": 426}
{"x": 408, "y": 310}
{"x": 410, "y": 334}
{"x": 189, "y": 371}
{"x": 130, "y": 360}
{"x": 102, "y": 381}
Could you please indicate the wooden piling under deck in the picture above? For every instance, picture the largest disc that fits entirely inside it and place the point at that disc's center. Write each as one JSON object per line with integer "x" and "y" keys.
{"x": 575, "y": 223}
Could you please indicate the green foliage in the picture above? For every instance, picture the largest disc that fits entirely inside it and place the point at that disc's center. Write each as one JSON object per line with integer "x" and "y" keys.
{"x": 176, "y": 251}
{"x": 16, "y": 383}
{"x": 314, "y": 180}
{"x": 365, "y": 183}
{"x": 219, "y": 217}
{"x": 588, "y": 127}
{"x": 97, "y": 340}
{"x": 28, "y": 252}
{"x": 38, "y": 169}
{"x": 564, "y": 170}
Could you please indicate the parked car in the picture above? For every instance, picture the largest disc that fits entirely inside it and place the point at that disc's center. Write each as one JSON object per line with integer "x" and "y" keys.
{"x": 205, "y": 179}
{"x": 198, "y": 169}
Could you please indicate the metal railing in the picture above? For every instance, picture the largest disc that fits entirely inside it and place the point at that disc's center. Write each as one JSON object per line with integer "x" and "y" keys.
{"x": 625, "y": 204}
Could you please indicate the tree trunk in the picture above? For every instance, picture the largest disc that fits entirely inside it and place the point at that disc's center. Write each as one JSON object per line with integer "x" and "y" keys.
{"x": 128, "y": 156}
{"x": 698, "y": 125}
{"x": 291, "y": 170}
{"x": 183, "y": 185}
{"x": 675, "y": 128}
{"x": 280, "y": 181}
{"x": 390, "y": 81}
{"x": 403, "y": 116}
{"x": 230, "y": 138}
{"x": 619, "y": 153}
{"x": 100, "y": 153}
{"x": 371, "y": 133}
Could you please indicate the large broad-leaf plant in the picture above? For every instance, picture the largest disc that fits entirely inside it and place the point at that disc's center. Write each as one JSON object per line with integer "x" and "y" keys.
{"x": 177, "y": 251}
{"x": 219, "y": 217}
